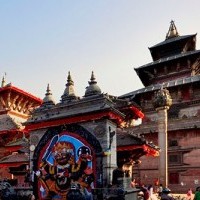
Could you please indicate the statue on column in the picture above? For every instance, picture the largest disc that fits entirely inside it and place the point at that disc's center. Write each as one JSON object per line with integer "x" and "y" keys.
{"x": 162, "y": 98}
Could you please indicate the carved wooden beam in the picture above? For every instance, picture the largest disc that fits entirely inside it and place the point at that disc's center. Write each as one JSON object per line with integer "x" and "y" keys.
{"x": 3, "y": 102}
{"x": 13, "y": 102}
{"x": 27, "y": 109}
{"x": 19, "y": 103}
{"x": 8, "y": 100}
{"x": 24, "y": 106}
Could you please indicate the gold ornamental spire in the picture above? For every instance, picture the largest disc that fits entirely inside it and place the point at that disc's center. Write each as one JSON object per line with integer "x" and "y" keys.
{"x": 69, "y": 93}
{"x": 3, "y": 82}
{"x": 48, "y": 99}
{"x": 93, "y": 88}
{"x": 172, "y": 32}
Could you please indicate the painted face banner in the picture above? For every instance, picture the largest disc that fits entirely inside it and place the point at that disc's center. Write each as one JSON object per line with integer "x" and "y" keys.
{"x": 65, "y": 168}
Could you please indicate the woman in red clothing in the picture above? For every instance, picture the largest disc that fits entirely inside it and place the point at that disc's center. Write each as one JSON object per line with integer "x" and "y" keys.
{"x": 189, "y": 194}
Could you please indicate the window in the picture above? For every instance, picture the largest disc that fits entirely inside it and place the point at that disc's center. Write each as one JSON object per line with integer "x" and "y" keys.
{"x": 173, "y": 143}
{"x": 175, "y": 159}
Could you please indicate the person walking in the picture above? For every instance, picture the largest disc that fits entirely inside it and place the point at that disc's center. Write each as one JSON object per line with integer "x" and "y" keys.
{"x": 152, "y": 196}
{"x": 189, "y": 194}
{"x": 160, "y": 189}
{"x": 197, "y": 194}
{"x": 166, "y": 194}
{"x": 146, "y": 195}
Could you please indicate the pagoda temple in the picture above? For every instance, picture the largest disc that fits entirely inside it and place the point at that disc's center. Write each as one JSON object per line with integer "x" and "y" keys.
{"x": 175, "y": 66}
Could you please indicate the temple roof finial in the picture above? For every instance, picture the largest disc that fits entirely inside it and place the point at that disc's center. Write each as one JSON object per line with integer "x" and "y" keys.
{"x": 93, "y": 88}
{"x": 48, "y": 99}
{"x": 48, "y": 89}
{"x": 3, "y": 82}
{"x": 69, "y": 93}
{"x": 92, "y": 77}
{"x": 172, "y": 32}
{"x": 69, "y": 80}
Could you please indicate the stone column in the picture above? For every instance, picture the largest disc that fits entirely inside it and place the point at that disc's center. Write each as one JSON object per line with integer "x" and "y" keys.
{"x": 162, "y": 103}
{"x": 110, "y": 150}
{"x": 105, "y": 132}
{"x": 162, "y": 143}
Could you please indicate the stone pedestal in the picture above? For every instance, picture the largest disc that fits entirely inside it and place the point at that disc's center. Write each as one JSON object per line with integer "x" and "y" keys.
{"x": 129, "y": 192}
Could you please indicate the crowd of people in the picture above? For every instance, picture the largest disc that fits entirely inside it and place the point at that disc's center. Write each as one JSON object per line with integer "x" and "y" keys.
{"x": 163, "y": 193}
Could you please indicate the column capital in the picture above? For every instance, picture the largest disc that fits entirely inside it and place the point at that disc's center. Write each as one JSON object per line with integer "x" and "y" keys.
{"x": 162, "y": 99}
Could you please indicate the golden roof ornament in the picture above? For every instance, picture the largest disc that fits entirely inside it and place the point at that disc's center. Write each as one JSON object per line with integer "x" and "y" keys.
{"x": 3, "y": 82}
{"x": 172, "y": 32}
{"x": 69, "y": 80}
{"x": 93, "y": 88}
{"x": 93, "y": 78}
{"x": 69, "y": 93}
{"x": 48, "y": 90}
{"x": 48, "y": 99}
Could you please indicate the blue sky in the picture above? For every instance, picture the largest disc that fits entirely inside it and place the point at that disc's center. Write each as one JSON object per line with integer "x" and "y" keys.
{"x": 41, "y": 40}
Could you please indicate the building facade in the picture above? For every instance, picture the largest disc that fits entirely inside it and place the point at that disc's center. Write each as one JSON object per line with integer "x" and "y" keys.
{"x": 175, "y": 66}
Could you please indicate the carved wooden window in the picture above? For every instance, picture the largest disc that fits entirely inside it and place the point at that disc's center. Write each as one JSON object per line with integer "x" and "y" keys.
{"x": 173, "y": 143}
{"x": 174, "y": 159}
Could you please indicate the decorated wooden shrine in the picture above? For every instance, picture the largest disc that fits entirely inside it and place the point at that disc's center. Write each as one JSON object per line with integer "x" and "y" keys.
{"x": 16, "y": 106}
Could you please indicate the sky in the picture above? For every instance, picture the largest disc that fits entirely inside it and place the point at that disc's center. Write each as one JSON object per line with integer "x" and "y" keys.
{"x": 42, "y": 40}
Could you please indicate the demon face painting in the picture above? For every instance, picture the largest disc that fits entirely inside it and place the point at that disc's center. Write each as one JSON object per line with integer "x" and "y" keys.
{"x": 65, "y": 165}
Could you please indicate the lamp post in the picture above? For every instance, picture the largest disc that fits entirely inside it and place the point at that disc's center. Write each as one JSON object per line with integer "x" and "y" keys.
{"x": 162, "y": 102}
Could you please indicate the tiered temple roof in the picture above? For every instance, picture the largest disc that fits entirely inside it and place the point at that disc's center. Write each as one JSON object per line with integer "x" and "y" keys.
{"x": 16, "y": 106}
{"x": 175, "y": 57}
